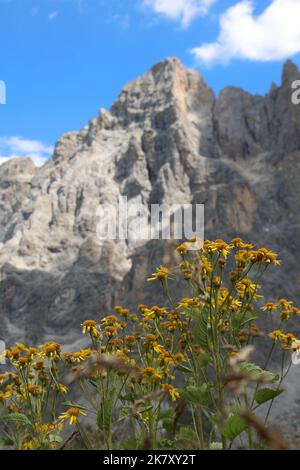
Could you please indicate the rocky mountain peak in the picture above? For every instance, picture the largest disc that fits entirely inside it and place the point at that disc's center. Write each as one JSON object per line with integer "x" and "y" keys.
{"x": 167, "y": 86}
{"x": 290, "y": 72}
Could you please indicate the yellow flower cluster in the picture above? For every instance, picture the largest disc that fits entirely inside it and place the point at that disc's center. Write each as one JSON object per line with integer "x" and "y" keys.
{"x": 144, "y": 352}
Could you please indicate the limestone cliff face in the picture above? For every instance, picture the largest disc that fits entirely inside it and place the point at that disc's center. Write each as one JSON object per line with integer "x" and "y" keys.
{"x": 165, "y": 139}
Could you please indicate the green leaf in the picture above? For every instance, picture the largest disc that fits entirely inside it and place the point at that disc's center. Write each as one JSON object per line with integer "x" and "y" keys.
{"x": 249, "y": 368}
{"x": 258, "y": 372}
{"x": 18, "y": 417}
{"x": 240, "y": 320}
{"x": 266, "y": 394}
{"x": 73, "y": 404}
{"x": 167, "y": 414}
{"x": 248, "y": 317}
{"x": 128, "y": 397}
{"x": 6, "y": 441}
{"x": 130, "y": 444}
{"x": 167, "y": 418}
{"x": 236, "y": 323}
{"x": 187, "y": 434}
{"x": 94, "y": 383}
{"x": 145, "y": 409}
{"x": 198, "y": 395}
{"x": 125, "y": 411}
{"x": 203, "y": 359}
{"x": 55, "y": 438}
{"x": 105, "y": 413}
{"x": 201, "y": 330}
{"x": 184, "y": 369}
{"x": 233, "y": 427}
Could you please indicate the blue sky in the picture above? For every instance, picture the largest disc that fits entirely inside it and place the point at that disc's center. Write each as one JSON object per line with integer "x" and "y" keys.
{"x": 62, "y": 60}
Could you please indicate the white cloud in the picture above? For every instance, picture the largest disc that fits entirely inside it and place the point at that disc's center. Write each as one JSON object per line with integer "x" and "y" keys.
{"x": 180, "y": 10}
{"x": 52, "y": 15}
{"x": 272, "y": 35}
{"x": 14, "y": 147}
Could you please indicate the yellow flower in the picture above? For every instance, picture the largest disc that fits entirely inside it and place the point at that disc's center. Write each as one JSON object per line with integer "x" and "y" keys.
{"x": 223, "y": 325}
{"x": 3, "y": 377}
{"x": 51, "y": 350}
{"x": 277, "y": 335}
{"x": 161, "y": 274}
{"x": 23, "y": 362}
{"x": 32, "y": 352}
{"x": 90, "y": 326}
{"x": 166, "y": 359}
{"x": 39, "y": 365}
{"x": 158, "y": 348}
{"x": 269, "y": 307}
{"x": 172, "y": 391}
{"x": 13, "y": 353}
{"x": 219, "y": 245}
{"x": 123, "y": 312}
{"x": 34, "y": 390}
{"x": 154, "y": 313}
{"x": 285, "y": 314}
{"x": 169, "y": 326}
{"x": 28, "y": 445}
{"x": 187, "y": 274}
{"x": 264, "y": 256}
{"x": 151, "y": 373}
{"x": 206, "y": 267}
{"x": 110, "y": 320}
{"x": 242, "y": 258}
{"x": 179, "y": 358}
{"x": 142, "y": 307}
{"x": 130, "y": 340}
{"x": 81, "y": 355}
{"x": 247, "y": 288}
{"x": 110, "y": 331}
{"x": 133, "y": 317}
{"x": 296, "y": 311}
{"x": 118, "y": 309}
{"x": 72, "y": 415}
{"x": 5, "y": 396}
{"x": 235, "y": 304}
{"x": 187, "y": 302}
{"x": 269, "y": 256}
{"x": 182, "y": 249}
{"x": 288, "y": 341}
{"x": 61, "y": 388}
{"x": 283, "y": 303}
{"x": 238, "y": 243}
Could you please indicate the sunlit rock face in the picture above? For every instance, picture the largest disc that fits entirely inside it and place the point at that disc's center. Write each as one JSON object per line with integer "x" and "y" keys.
{"x": 167, "y": 139}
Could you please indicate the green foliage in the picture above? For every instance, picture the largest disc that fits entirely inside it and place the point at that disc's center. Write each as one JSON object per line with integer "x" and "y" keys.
{"x": 187, "y": 434}
{"x": 20, "y": 418}
{"x": 266, "y": 394}
{"x": 233, "y": 427}
{"x": 198, "y": 395}
{"x": 258, "y": 373}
